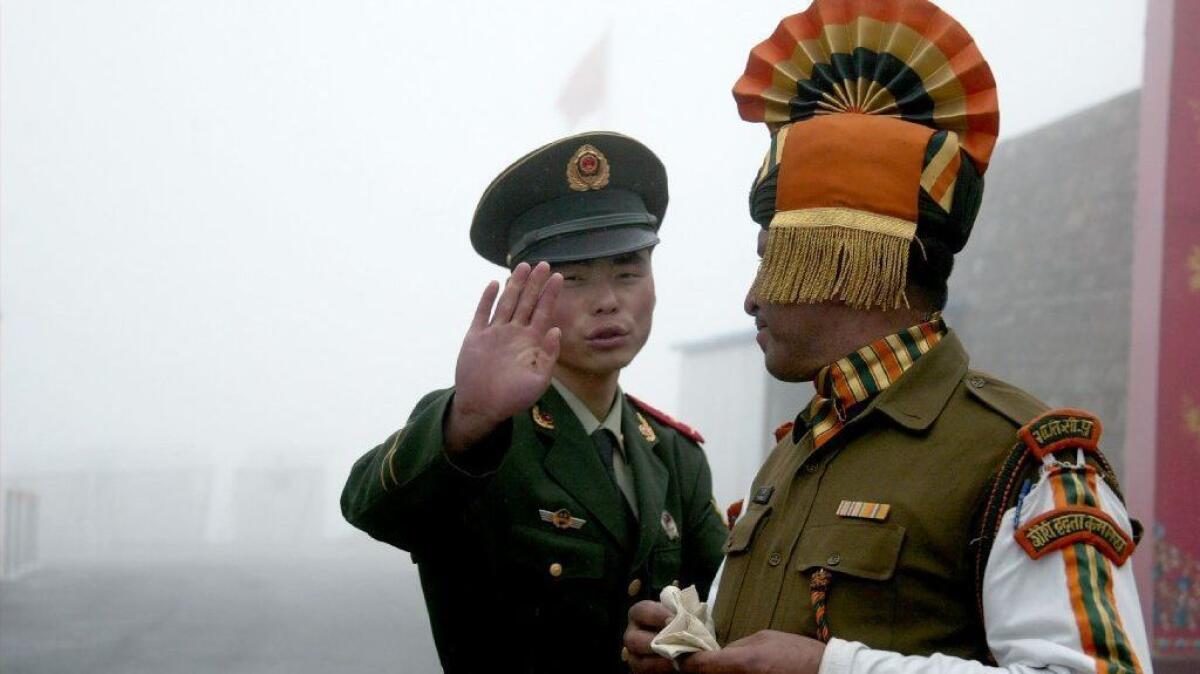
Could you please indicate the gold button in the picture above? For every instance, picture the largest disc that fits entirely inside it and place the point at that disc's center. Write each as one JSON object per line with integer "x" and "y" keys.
{"x": 635, "y": 586}
{"x": 774, "y": 559}
{"x": 556, "y": 569}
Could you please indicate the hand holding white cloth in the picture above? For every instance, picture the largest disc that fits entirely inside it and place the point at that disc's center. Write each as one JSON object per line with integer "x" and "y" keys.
{"x": 691, "y": 629}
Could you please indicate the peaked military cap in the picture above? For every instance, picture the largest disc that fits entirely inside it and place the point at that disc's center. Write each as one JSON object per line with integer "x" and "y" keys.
{"x": 583, "y": 197}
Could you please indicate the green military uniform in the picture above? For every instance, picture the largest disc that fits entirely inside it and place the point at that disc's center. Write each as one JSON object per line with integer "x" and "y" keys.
{"x": 530, "y": 550}
{"x": 927, "y": 447}
{"x": 914, "y": 497}
{"x": 508, "y": 590}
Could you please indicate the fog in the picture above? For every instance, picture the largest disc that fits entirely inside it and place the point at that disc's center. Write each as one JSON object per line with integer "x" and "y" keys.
{"x": 233, "y": 255}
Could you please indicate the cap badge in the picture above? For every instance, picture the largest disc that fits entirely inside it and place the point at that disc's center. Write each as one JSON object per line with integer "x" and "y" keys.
{"x": 587, "y": 170}
{"x": 668, "y": 525}
{"x": 561, "y": 519}
{"x": 541, "y": 418}
{"x": 645, "y": 429}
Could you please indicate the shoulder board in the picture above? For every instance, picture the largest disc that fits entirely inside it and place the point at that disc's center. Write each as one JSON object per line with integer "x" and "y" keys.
{"x": 667, "y": 420}
{"x": 783, "y": 430}
{"x": 1003, "y": 398}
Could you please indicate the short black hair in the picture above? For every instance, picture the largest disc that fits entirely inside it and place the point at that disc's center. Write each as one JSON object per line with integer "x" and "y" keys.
{"x": 930, "y": 261}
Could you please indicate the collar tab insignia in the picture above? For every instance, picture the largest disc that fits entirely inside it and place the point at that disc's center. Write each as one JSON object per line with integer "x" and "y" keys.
{"x": 541, "y": 418}
{"x": 587, "y": 170}
{"x": 645, "y": 429}
{"x": 561, "y": 519}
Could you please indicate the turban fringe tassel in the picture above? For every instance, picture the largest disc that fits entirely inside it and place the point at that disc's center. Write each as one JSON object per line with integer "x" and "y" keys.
{"x": 820, "y": 254}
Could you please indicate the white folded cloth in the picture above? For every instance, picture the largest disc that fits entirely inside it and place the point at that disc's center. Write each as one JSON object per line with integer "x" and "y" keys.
{"x": 691, "y": 629}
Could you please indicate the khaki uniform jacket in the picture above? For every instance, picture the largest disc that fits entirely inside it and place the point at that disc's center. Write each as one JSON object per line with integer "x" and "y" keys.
{"x": 927, "y": 446}
{"x": 507, "y": 590}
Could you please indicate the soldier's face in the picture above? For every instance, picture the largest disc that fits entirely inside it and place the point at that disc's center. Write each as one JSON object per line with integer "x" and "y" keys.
{"x": 604, "y": 311}
{"x": 797, "y": 339}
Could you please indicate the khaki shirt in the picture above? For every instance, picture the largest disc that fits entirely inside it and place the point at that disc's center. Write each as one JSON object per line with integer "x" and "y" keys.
{"x": 927, "y": 447}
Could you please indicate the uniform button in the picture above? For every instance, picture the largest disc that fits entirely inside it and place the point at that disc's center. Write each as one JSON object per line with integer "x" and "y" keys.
{"x": 675, "y": 582}
{"x": 635, "y": 586}
{"x": 810, "y": 468}
{"x": 774, "y": 559}
{"x": 556, "y": 569}
{"x": 977, "y": 382}
{"x": 834, "y": 559}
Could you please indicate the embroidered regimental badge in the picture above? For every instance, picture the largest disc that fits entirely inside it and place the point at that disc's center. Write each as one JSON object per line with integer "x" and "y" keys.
{"x": 587, "y": 169}
{"x": 1075, "y": 524}
{"x": 541, "y": 418}
{"x": 561, "y": 519}
{"x": 645, "y": 429}
{"x": 668, "y": 525}
{"x": 1061, "y": 429}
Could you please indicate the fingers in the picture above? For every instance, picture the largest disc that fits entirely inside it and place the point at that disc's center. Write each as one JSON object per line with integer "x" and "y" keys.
{"x": 510, "y": 295}
{"x": 646, "y": 618}
{"x": 639, "y": 655}
{"x": 550, "y": 345}
{"x": 532, "y": 292}
{"x": 484, "y": 310}
{"x": 649, "y": 615}
{"x": 543, "y": 312}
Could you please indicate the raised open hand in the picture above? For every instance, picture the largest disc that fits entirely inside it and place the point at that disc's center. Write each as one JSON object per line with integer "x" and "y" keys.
{"x": 506, "y": 358}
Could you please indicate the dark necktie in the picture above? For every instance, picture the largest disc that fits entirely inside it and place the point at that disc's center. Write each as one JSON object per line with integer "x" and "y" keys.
{"x": 606, "y": 444}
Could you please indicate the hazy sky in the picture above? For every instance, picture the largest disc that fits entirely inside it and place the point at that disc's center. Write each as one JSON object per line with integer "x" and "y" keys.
{"x": 239, "y": 229}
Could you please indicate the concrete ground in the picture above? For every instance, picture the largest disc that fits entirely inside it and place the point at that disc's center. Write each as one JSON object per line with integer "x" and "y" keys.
{"x": 357, "y": 609}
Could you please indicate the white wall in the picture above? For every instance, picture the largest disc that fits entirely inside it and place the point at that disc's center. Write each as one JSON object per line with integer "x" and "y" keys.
{"x": 723, "y": 394}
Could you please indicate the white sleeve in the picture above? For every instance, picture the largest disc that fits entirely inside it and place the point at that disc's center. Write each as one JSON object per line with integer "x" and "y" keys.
{"x": 1070, "y": 610}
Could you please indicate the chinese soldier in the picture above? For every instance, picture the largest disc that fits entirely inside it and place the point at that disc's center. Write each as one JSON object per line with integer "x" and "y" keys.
{"x": 918, "y": 515}
{"x": 538, "y": 500}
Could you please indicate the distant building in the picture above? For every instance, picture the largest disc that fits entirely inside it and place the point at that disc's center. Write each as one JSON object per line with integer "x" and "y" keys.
{"x": 1040, "y": 295}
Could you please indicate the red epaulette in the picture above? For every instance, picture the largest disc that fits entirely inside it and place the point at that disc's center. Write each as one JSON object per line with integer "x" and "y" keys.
{"x": 732, "y": 513}
{"x": 783, "y": 430}
{"x": 667, "y": 420}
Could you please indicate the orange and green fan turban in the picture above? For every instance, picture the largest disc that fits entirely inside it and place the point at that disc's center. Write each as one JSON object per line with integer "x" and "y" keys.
{"x": 883, "y": 116}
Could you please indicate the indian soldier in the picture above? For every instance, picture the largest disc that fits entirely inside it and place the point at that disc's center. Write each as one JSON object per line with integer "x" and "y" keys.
{"x": 918, "y": 515}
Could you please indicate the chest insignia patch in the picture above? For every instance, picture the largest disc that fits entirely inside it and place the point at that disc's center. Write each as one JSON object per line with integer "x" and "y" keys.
{"x": 763, "y": 495}
{"x": 1062, "y": 527}
{"x": 541, "y": 418}
{"x": 864, "y": 510}
{"x": 645, "y": 429}
{"x": 669, "y": 527}
{"x": 561, "y": 519}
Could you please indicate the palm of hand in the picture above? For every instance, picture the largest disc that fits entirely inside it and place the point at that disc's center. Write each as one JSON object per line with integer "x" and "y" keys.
{"x": 504, "y": 364}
